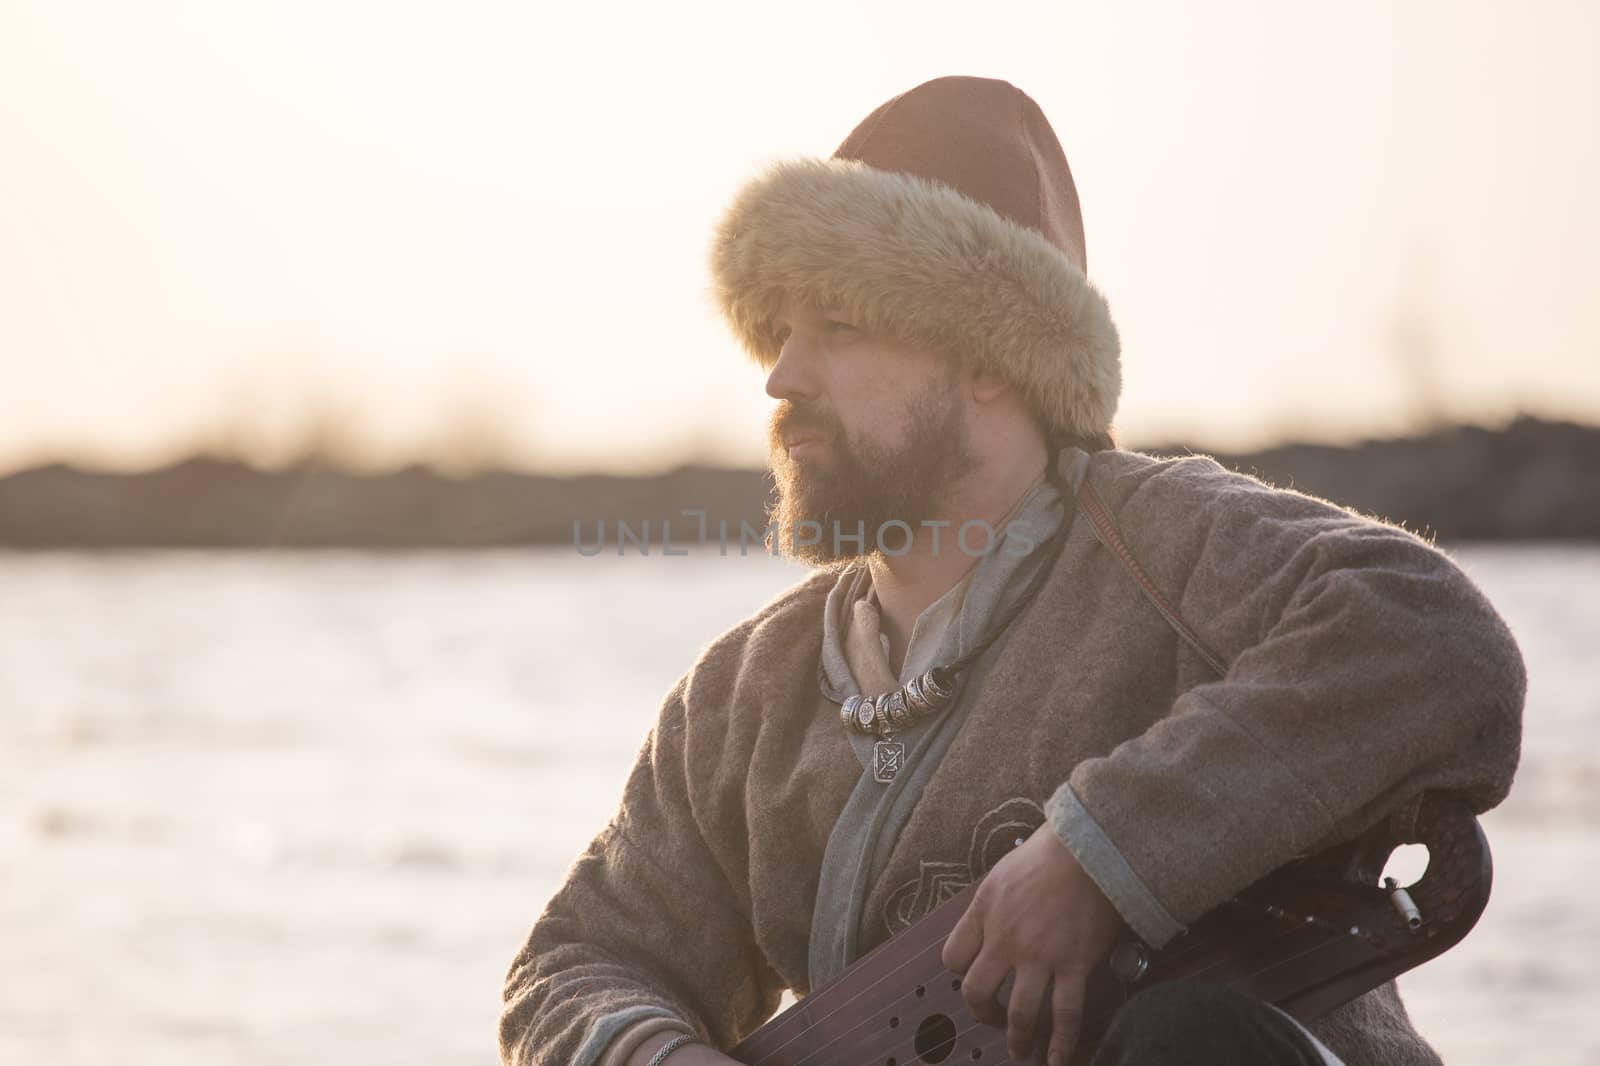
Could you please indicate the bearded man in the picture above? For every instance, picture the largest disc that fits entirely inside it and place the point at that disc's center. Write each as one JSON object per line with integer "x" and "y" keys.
{"x": 971, "y": 685}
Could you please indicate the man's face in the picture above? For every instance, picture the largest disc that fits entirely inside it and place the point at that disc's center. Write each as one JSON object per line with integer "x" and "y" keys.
{"x": 869, "y": 431}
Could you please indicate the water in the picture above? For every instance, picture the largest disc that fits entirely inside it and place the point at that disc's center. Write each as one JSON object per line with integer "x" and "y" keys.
{"x": 280, "y": 808}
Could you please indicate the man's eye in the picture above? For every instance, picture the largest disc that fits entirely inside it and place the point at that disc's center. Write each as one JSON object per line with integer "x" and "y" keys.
{"x": 835, "y": 327}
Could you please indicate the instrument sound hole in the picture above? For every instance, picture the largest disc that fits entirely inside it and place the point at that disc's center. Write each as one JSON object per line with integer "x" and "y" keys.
{"x": 935, "y": 1039}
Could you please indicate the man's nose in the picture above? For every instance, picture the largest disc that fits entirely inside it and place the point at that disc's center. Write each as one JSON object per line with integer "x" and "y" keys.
{"x": 792, "y": 377}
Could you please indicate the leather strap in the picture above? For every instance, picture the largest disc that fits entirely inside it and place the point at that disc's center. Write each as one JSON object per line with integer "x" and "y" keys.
{"x": 1106, "y": 531}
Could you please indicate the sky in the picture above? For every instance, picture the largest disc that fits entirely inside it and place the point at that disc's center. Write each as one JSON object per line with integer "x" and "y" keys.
{"x": 477, "y": 232}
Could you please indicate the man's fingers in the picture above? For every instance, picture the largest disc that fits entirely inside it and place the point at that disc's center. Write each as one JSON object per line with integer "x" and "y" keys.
{"x": 981, "y": 984}
{"x": 964, "y": 941}
{"x": 1022, "y": 1010}
{"x": 1066, "y": 1016}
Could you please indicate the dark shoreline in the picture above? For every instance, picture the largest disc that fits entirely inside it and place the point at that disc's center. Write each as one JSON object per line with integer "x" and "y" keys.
{"x": 1531, "y": 480}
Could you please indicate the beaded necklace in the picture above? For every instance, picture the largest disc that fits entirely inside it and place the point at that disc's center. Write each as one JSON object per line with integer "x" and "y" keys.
{"x": 931, "y": 691}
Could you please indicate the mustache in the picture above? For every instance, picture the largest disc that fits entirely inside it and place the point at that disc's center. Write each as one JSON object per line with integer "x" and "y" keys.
{"x": 802, "y": 419}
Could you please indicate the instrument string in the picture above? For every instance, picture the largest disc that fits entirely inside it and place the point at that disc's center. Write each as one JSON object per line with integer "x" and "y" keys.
{"x": 894, "y": 1050}
{"x": 904, "y": 1044}
{"x": 910, "y": 961}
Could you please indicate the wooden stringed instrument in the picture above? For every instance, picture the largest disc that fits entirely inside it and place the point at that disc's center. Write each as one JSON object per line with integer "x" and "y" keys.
{"x": 1309, "y": 937}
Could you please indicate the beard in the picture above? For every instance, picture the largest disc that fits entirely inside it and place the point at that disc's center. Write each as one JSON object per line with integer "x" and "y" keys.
{"x": 826, "y": 499}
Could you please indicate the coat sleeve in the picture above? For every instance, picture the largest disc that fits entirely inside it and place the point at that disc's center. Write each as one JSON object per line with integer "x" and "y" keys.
{"x": 647, "y": 925}
{"x": 1364, "y": 668}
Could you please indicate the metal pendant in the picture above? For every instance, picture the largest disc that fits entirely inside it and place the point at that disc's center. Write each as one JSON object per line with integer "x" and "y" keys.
{"x": 888, "y": 758}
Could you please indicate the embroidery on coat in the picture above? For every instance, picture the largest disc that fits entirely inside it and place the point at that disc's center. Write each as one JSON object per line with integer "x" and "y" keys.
{"x": 995, "y": 834}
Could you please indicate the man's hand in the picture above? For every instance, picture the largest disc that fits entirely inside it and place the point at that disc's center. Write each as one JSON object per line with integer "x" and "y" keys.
{"x": 1038, "y": 914}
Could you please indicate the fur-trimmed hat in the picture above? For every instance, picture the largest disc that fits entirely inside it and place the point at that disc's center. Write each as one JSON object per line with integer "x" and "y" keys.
{"x": 947, "y": 219}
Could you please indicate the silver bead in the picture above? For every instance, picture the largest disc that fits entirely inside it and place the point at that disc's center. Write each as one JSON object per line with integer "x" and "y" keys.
{"x": 894, "y": 705}
{"x": 847, "y": 711}
{"x": 937, "y": 694}
{"x": 865, "y": 713}
{"x": 917, "y": 701}
{"x": 880, "y": 717}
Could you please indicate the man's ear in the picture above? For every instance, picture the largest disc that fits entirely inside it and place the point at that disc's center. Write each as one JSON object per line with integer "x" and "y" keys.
{"x": 986, "y": 387}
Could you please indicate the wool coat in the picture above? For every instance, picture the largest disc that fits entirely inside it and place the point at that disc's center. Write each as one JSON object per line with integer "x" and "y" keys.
{"x": 1364, "y": 667}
